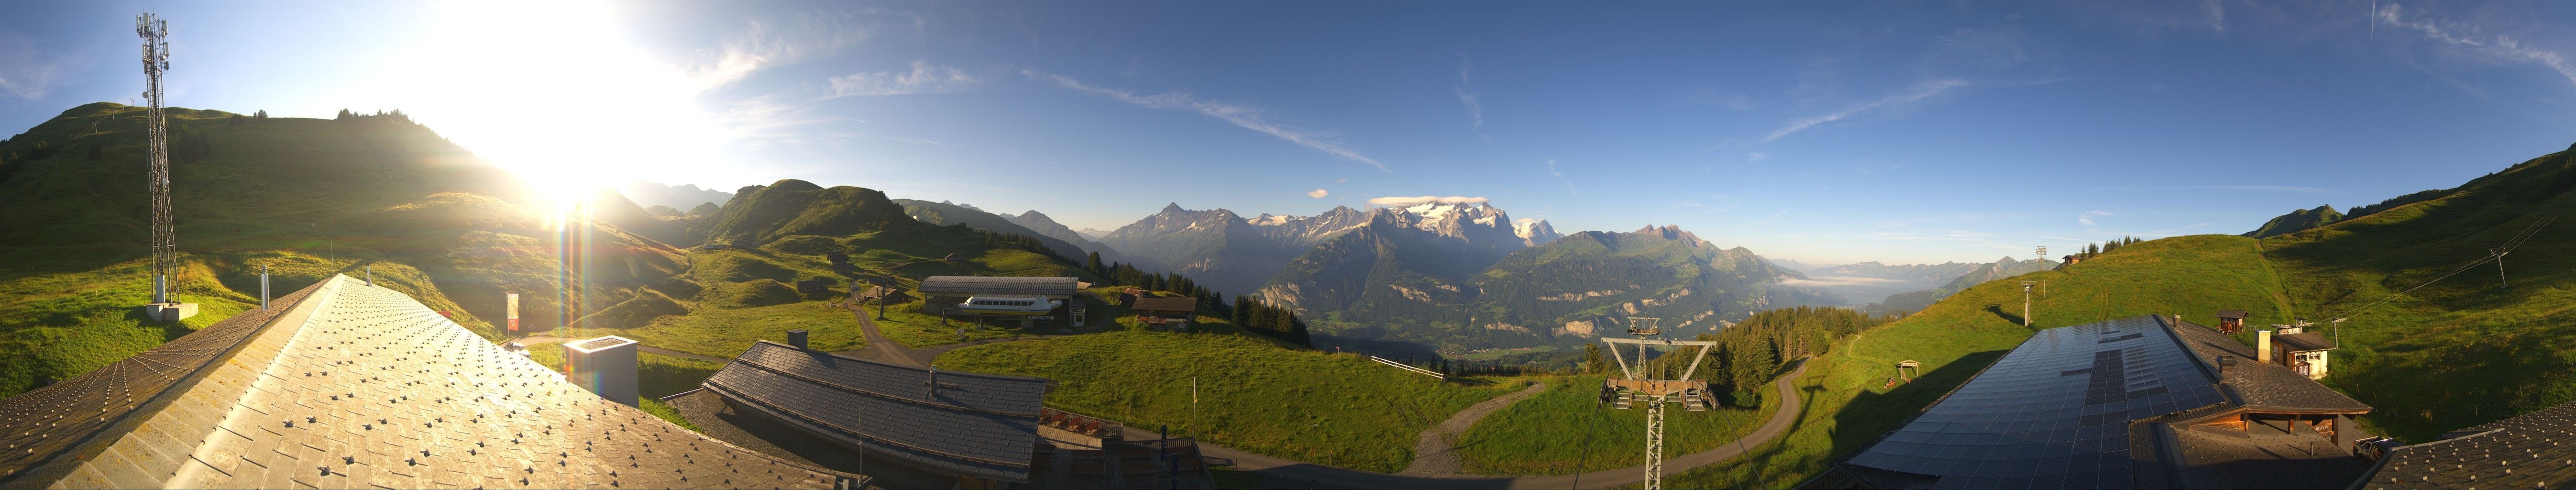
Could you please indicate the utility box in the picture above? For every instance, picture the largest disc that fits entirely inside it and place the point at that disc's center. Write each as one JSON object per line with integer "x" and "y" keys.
{"x": 605, "y": 366}
{"x": 169, "y": 312}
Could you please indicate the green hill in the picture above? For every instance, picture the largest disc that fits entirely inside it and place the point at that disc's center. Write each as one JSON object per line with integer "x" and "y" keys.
{"x": 2297, "y": 221}
{"x": 1333, "y": 409}
{"x": 2456, "y": 353}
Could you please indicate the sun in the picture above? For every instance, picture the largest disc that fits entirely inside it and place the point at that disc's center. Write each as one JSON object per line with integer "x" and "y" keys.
{"x": 547, "y": 91}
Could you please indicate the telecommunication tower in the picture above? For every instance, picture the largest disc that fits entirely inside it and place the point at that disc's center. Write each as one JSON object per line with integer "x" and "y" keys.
{"x": 1634, "y": 386}
{"x": 2043, "y": 252}
{"x": 165, "y": 247}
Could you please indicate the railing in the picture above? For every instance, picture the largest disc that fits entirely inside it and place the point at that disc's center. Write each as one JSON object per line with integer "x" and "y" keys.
{"x": 1407, "y": 367}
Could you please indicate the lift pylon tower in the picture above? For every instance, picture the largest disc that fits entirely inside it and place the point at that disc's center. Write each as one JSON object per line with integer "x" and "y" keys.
{"x": 1634, "y": 386}
{"x": 165, "y": 247}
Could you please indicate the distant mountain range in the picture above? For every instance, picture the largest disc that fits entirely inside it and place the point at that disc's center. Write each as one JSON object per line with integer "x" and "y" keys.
{"x": 683, "y": 196}
{"x": 1999, "y": 269}
{"x": 945, "y": 213}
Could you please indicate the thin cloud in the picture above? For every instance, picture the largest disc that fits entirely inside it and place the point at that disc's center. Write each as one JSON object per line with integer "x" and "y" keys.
{"x": 1919, "y": 93}
{"x": 25, "y": 71}
{"x": 1247, "y": 117}
{"x": 923, "y": 79}
{"x": 1774, "y": 217}
{"x": 1317, "y": 193}
{"x": 1467, "y": 94}
{"x": 1400, "y": 201}
{"x": 766, "y": 43}
{"x": 2250, "y": 188}
{"x": 1560, "y": 177}
{"x": 2496, "y": 49}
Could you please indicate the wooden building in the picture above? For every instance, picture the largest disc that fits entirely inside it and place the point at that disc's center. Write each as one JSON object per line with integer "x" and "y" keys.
{"x": 1172, "y": 312}
{"x": 2302, "y": 352}
{"x": 2231, "y": 321}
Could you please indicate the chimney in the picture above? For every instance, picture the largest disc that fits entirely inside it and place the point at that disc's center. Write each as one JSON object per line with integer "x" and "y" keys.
{"x": 2263, "y": 345}
{"x": 2223, "y": 363}
{"x": 604, "y": 365}
{"x": 796, "y": 338}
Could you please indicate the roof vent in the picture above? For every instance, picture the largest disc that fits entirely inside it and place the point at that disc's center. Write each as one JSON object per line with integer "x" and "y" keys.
{"x": 797, "y": 338}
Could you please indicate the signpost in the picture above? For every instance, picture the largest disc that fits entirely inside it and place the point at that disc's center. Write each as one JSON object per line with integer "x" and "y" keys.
{"x": 514, "y": 312}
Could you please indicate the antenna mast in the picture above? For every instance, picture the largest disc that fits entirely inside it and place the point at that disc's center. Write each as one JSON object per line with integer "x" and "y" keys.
{"x": 156, "y": 59}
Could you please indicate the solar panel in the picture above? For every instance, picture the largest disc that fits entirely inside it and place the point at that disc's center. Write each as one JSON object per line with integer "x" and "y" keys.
{"x": 2052, "y": 413}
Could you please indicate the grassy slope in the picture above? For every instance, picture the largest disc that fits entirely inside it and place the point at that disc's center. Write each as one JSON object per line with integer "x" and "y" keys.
{"x": 1567, "y": 430}
{"x": 1334, "y": 409}
{"x": 1846, "y": 406}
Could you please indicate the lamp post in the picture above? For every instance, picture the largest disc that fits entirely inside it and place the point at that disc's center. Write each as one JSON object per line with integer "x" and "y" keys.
{"x": 2025, "y": 302}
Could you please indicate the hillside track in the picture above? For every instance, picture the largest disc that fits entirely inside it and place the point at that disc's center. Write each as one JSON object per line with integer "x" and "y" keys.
{"x": 1436, "y": 453}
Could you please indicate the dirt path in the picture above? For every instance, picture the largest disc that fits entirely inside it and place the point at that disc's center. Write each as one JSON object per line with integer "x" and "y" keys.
{"x": 645, "y": 348}
{"x": 1279, "y": 472}
{"x": 1436, "y": 452}
{"x": 885, "y": 350}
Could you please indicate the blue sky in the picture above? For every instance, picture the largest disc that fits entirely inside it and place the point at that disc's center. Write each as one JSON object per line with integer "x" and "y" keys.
{"x": 1822, "y": 132}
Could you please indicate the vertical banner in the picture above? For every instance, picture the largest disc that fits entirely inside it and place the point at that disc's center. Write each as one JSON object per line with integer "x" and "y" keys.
{"x": 514, "y": 312}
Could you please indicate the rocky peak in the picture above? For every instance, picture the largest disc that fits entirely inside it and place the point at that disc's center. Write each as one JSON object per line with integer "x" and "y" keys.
{"x": 1535, "y": 232}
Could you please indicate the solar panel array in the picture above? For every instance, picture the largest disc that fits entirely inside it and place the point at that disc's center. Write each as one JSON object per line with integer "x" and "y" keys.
{"x": 2053, "y": 413}
{"x": 976, "y": 424}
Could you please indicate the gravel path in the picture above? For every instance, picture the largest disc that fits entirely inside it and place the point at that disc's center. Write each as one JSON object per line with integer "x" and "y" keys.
{"x": 1436, "y": 452}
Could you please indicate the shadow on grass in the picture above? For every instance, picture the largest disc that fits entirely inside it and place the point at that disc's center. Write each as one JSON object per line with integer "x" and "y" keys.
{"x": 1871, "y": 414}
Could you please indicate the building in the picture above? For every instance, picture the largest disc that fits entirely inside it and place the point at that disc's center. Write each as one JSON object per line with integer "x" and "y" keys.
{"x": 944, "y": 293}
{"x": 2231, "y": 321}
{"x": 2303, "y": 352}
{"x": 1173, "y": 313}
{"x": 2533, "y": 450}
{"x": 978, "y": 426}
{"x": 2139, "y": 402}
{"x": 347, "y": 385}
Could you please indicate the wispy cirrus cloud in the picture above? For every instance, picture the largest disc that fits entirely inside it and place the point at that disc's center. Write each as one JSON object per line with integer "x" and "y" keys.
{"x": 2086, "y": 219}
{"x": 25, "y": 71}
{"x": 924, "y": 78}
{"x": 769, "y": 42}
{"x": 1765, "y": 221}
{"x": 1467, "y": 93}
{"x": 2469, "y": 40}
{"x": 2242, "y": 188}
{"x": 1419, "y": 200}
{"x": 1245, "y": 116}
{"x": 1560, "y": 177}
{"x": 1920, "y": 92}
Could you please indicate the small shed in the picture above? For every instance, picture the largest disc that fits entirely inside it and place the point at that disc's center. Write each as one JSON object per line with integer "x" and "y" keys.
{"x": 1174, "y": 311}
{"x": 2304, "y": 352}
{"x": 2231, "y": 321}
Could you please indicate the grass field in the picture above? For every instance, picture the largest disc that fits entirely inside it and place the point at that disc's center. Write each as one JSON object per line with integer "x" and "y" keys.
{"x": 1334, "y": 409}
{"x": 725, "y": 332}
{"x": 1567, "y": 430}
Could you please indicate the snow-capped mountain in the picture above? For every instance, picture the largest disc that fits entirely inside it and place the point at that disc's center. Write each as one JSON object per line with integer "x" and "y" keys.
{"x": 1215, "y": 247}
{"x": 1301, "y": 232}
{"x": 1534, "y": 232}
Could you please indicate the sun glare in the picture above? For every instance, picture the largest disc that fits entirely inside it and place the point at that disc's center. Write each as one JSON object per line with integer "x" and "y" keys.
{"x": 548, "y": 91}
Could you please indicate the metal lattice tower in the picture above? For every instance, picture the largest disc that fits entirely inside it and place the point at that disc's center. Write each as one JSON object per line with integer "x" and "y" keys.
{"x": 1635, "y": 386}
{"x": 156, "y": 59}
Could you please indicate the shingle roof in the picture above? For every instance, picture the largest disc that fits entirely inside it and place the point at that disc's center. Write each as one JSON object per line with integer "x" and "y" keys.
{"x": 356, "y": 386}
{"x": 1183, "y": 305}
{"x": 1038, "y": 286}
{"x": 2304, "y": 342}
{"x": 2267, "y": 386}
{"x": 2533, "y": 450}
{"x": 977, "y": 424}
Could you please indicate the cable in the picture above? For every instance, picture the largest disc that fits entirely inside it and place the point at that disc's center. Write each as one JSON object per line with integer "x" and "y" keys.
{"x": 2492, "y": 255}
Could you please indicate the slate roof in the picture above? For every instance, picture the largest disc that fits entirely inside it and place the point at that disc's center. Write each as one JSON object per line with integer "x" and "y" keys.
{"x": 2533, "y": 450}
{"x": 980, "y": 425}
{"x": 2264, "y": 386}
{"x": 1054, "y": 287}
{"x": 1176, "y": 304}
{"x": 2304, "y": 342}
{"x": 357, "y": 386}
{"x": 2110, "y": 405}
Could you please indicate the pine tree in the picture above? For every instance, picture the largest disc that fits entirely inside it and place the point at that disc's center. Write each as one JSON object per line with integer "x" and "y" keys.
{"x": 1592, "y": 359}
{"x": 1093, "y": 264}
